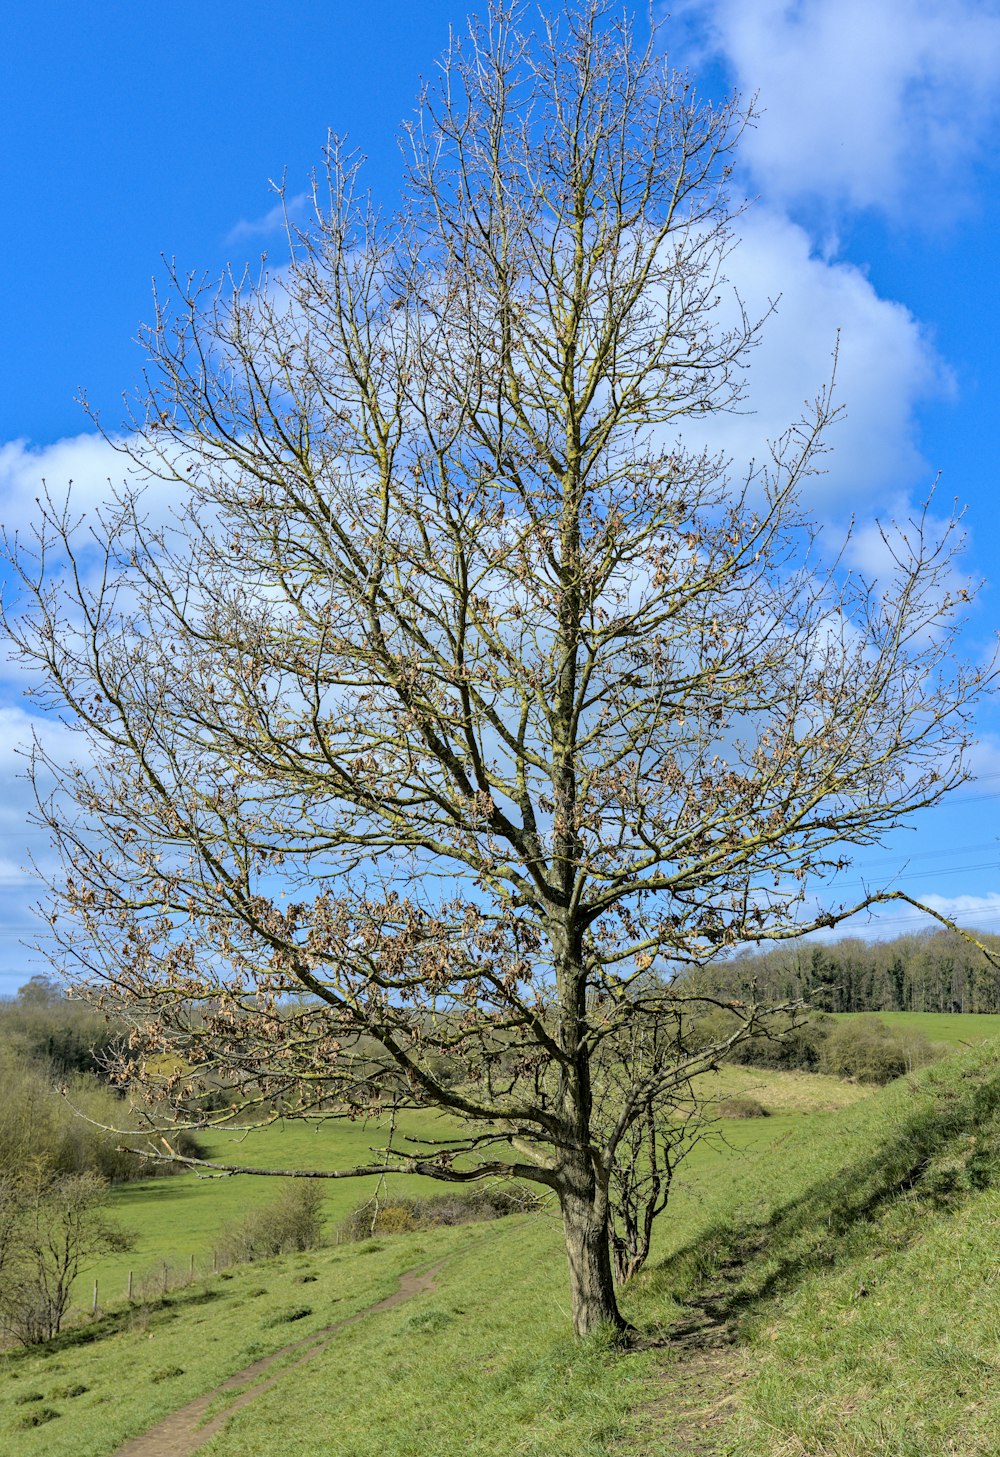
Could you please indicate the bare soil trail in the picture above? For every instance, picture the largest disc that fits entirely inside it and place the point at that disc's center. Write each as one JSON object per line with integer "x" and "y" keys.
{"x": 702, "y": 1370}
{"x": 698, "y": 1386}
{"x": 186, "y": 1430}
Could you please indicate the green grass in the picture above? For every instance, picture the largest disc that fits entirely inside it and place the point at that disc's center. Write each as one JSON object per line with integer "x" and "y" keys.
{"x": 910, "y": 1366}
{"x": 483, "y": 1365}
{"x": 853, "y": 1248}
{"x": 956, "y": 1029}
{"x": 181, "y": 1216}
{"x": 861, "y": 1271}
{"x": 140, "y": 1364}
{"x": 783, "y": 1092}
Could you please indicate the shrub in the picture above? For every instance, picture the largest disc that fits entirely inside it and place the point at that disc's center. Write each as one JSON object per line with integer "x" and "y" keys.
{"x": 291, "y": 1222}
{"x": 49, "y": 1228}
{"x": 742, "y": 1108}
{"x": 791, "y": 1043}
{"x": 866, "y": 1049}
{"x": 40, "y": 1126}
{"x": 402, "y": 1216}
{"x": 863, "y": 1048}
{"x": 60, "y": 1035}
{"x": 395, "y": 1219}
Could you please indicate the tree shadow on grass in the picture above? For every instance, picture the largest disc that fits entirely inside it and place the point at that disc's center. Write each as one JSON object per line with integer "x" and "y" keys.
{"x": 116, "y": 1321}
{"x": 947, "y": 1147}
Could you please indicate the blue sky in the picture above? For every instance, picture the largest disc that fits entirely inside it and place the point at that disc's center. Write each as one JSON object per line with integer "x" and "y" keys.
{"x": 134, "y": 131}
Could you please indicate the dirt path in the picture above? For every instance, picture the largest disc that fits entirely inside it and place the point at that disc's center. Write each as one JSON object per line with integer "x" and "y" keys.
{"x": 183, "y": 1433}
{"x": 703, "y": 1367}
{"x": 697, "y": 1387}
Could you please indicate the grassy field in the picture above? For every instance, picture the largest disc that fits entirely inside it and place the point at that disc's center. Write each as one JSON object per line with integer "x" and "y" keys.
{"x": 181, "y": 1218}
{"x": 178, "y": 1220}
{"x": 848, "y": 1242}
{"x": 859, "y": 1272}
{"x": 486, "y": 1361}
{"x": 957, "y": 1029}
{"x": 482, "y": 1365}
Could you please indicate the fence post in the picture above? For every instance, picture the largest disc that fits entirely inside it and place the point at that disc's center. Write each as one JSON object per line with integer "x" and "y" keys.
{"x": 130, "y": 1285}
{"x": 94, "y": 1309}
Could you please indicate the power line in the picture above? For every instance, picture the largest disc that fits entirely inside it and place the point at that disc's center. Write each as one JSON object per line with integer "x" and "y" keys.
{"x": 941, "y": 853}
{"x": 972, "y": 919}
{"x": 904, "y": 875}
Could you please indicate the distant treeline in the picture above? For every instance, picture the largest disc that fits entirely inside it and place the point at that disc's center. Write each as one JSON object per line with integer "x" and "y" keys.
{"x": 926, "y": 972}
{"x": 58, "y": 1113}
{"x": 43, "y": 1026}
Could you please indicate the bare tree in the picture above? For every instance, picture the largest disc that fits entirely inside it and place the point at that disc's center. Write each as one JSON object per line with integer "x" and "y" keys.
{"x": 645, "y": 1079}
{"x": 459, "y": 697}
{"x": 51, "y": 1229}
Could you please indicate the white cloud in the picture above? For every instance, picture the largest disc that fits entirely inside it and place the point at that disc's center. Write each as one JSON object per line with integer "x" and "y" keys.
{"x": 11, "y": 873}
{"x": 23, "y": 843}
{"x": 965, "y": 909}
{"x": 272, "y": 222}
{"x": 984, "y": 761}
{"x": 17, "y": 729}
{"x": 85, "y": 469}
{"x": 887, "y": 365}
{"x": 973, "y": 912}
{"x": 87, "y": 466}
{"x": 872, "y": 103}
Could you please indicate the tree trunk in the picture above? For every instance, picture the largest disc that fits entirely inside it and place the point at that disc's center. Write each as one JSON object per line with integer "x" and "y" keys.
{"x": 592, "y": 1287}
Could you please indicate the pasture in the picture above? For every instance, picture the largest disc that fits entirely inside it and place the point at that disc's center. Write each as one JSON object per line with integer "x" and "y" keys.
{"x": 828, "y": 1273}
{"x": 955, "y": 1029}
{"x": 180, "y": 1219}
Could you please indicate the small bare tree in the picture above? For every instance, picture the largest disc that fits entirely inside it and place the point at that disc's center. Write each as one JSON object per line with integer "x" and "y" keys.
{"x": 51, "y": 1229}
{"x": 649, "y": 1107}
{"x": 459, "y": 695}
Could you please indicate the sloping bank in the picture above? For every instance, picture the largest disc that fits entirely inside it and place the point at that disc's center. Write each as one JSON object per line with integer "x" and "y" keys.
{"x": 858, "y": 1275}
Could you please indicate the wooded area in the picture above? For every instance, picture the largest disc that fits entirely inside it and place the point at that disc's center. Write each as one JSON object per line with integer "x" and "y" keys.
{"x": 920, "y": 972}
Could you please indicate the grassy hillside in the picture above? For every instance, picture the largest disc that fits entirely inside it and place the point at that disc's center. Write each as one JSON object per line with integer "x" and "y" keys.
{"x": 181, "y": 1219}
{"x": 485, "y": 1362}
{"x": 481, "y": 1364}
{"x": 858, "y": 1274}
{"x": 828, "y": 1275}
